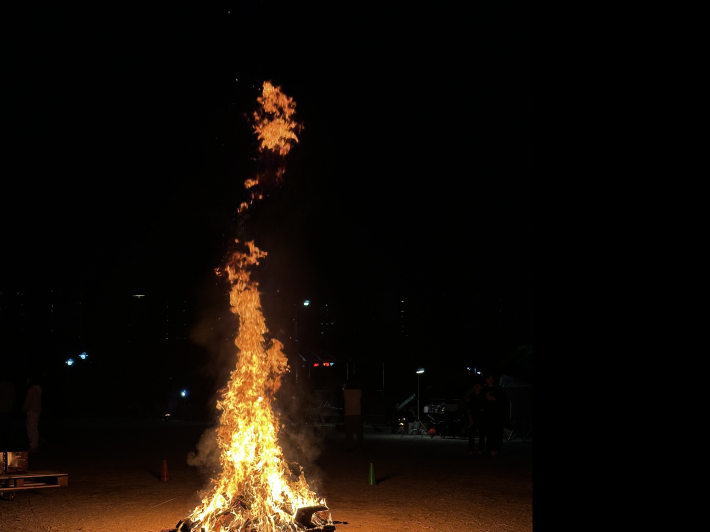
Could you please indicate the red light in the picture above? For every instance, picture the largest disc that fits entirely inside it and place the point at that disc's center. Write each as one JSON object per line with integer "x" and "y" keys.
{"x": 316, "y": 365}
{"x": 326, "y": 363}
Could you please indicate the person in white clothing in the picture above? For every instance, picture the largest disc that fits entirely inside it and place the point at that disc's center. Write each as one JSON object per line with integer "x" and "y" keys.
{"x": 353, "y": 415}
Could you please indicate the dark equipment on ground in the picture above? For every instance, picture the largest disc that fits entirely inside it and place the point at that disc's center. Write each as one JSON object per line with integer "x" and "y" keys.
{"x": 403, "y": 416}
{"x": 446, "y": 418}
{"x": 15, "y": 475}
{"x": 520, "y": 396}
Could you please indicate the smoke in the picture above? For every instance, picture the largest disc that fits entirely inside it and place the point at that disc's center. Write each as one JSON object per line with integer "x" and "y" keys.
{"x": 206, "y": 457}
{"x": 214, "y": 331}
{"x": 300, "y": 443}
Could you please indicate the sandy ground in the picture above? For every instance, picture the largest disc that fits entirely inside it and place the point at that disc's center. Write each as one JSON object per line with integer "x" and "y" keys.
{"x": 423, "y": 483}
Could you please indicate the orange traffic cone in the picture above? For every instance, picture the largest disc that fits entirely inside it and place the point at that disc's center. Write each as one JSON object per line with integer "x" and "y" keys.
{"x": 165, "y": 475}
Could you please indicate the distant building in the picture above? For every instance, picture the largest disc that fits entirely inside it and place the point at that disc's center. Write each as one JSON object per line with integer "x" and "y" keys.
{"x": 39, "y": 319}
{"x": 176, "y": 332}
{"x": 403, "y": 331}
{"x": 140, "y": 324}
{"x": 14, "y": 321}
{"x": 156, "y": 322}
{"x": 66, "y": 319}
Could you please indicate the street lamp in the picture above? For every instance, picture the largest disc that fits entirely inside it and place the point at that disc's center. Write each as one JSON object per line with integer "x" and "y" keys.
{"x": 305, "y": 303}
{"x": 419, "y": 419}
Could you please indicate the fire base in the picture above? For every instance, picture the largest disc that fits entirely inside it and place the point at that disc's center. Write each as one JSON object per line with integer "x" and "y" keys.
{"x": 305, "y": 518}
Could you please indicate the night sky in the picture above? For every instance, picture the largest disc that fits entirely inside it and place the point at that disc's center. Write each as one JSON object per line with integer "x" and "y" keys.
{"x": 127, "y": 141}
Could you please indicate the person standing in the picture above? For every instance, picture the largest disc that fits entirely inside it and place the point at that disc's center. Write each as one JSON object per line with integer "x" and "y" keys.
{"x": 352, "y": 393}
{"x": 496, "y": 402}
{"x": 476, "y": 419}
{"x": 33, "y": 408}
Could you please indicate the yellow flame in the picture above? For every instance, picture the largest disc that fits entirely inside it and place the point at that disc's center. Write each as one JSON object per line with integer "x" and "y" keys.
{"x": 256, "y": 489}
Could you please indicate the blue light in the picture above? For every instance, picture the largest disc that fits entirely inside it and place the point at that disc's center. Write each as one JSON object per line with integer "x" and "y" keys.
{"x": 83, "y": 355}
{"x": 70, "y": 361}
{"x": 306, "y": 303}
{"x": 183, "y": 393}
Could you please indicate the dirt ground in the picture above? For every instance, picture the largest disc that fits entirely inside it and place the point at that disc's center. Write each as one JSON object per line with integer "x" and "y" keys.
{"x": 424, "y": 483}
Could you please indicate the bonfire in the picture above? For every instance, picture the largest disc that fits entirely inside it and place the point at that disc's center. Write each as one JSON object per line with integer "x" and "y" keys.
{"x": 257, "y": 489}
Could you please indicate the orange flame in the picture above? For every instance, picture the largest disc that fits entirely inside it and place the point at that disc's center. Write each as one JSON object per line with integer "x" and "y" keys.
{"x": 273, "y": 125}
{"x": 275, "y": 128}
{"x": 256, "y": 489}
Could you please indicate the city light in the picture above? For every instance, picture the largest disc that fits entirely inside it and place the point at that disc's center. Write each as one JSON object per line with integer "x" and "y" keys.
{"x": 306, "y": 303}
{"x": 83, "y": 355}
{"x": 183, "y": 393}
{"x": 69, "y": 362}
{"x": 419, "y": 372}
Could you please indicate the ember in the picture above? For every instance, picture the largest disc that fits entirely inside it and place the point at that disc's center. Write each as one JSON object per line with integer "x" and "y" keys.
{"x": 257, "y": 490}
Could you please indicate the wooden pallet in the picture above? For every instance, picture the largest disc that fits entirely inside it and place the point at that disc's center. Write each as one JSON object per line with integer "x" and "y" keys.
{"x": 33, "y": 480}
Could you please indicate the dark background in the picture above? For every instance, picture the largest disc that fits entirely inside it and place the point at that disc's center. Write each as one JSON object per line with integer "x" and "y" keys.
{"x": 128, "y": 139}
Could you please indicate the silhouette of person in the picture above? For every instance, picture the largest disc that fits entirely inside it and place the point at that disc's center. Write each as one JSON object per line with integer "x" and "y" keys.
{"x": 352, "y": 394}
{"x": 476, "y": 419}
{"x": 496, "y": 402}
{"x": 33, "y": 408}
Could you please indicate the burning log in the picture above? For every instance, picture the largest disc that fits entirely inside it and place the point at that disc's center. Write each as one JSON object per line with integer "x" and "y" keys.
{"x": 306, "y": 516}
{"x": 309, "y": 518}
{"x": 183, "y": 526}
